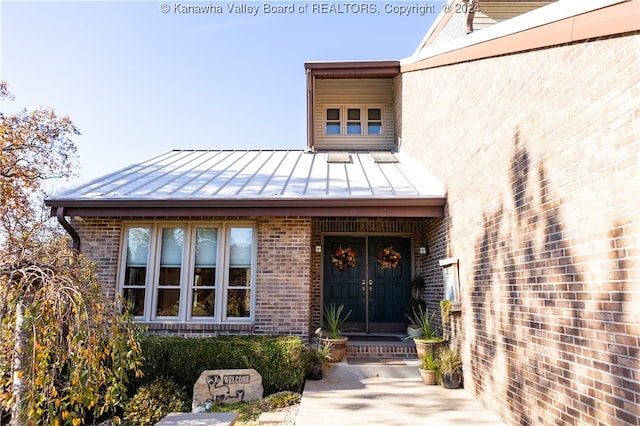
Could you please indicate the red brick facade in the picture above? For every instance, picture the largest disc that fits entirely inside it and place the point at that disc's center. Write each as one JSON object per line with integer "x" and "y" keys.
{"x": 540, "y": 155}
{"x": 283, "y": 278}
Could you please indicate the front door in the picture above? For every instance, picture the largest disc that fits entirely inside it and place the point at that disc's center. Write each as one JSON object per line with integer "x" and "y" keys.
{"x": 371, "y": 276}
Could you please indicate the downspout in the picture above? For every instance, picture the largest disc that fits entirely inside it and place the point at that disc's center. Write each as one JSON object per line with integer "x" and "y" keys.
{"x": 75, "y": 238}
{"x": 310, "y": 111}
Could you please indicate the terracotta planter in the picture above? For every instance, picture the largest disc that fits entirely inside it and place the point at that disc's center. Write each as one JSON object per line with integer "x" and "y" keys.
{"x": 428, "y": 376}
{"x": 451, "y": 379}
{"x": 338, "y": 347}
{"x": 423, "y": 345}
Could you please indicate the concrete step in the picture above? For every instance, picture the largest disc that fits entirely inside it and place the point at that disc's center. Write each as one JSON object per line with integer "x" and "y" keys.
{"x": 363, "y": 368}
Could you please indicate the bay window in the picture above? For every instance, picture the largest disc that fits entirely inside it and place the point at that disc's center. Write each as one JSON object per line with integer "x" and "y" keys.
{"x": 189, "y": 271}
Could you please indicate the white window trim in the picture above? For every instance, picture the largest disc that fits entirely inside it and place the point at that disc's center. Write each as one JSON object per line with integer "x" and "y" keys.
{"x": 186, "y": 273}
{"x": 364, "y": 119}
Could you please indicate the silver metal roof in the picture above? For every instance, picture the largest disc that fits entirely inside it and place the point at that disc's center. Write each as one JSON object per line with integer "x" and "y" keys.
{"x": 251, "y": 177}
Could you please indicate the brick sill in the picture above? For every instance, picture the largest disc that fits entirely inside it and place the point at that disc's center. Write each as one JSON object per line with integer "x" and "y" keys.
{"x": 190, "y": 326}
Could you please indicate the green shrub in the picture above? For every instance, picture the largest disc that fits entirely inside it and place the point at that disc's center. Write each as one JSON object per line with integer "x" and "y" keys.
{"x": 154, "y": 401}
{"x": 280, "y": 360}
{"x": 280, "y": 400}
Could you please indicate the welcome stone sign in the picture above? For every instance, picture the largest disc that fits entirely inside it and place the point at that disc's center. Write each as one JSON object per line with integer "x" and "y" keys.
{"x": 227, "y": 387}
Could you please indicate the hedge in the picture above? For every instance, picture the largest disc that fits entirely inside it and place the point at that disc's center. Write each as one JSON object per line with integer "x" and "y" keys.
{"x": 279, "y": 359}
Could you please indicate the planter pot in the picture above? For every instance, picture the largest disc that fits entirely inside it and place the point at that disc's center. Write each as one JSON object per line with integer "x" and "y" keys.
{"x": 414, "y": 331}
{"x": 338, "y": 347}
{"x": 428, "y": 376}
{"x": 423, "y": 345}
{"x": 451, "y": 379}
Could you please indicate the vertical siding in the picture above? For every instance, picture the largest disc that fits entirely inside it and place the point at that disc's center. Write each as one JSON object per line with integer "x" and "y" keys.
{"x": 356, "y": 92}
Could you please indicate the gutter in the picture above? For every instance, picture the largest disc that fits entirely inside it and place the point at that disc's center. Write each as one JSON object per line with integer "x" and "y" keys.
{"x": 67, "y": 226}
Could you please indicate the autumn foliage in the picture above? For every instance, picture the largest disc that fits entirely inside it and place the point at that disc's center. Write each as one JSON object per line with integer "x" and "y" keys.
{"x": 35, "y": 147}
{"x": 66, "y": 349}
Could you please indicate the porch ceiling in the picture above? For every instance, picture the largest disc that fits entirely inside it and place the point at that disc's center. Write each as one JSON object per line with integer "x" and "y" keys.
{"x": 260, "y": 183}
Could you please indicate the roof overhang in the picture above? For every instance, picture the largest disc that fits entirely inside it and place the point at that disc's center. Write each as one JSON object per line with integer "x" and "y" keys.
{"x": 353, "y": 69}
{"x": 349, "y": 207}
{"x": 558, "y": 23}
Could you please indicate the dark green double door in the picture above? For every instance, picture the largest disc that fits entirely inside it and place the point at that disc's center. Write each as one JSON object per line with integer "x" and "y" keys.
{"x": 371, "y": 277}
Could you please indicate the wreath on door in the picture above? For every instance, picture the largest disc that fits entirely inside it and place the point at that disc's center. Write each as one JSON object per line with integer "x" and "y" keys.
{"x": 344, "y": 258}
{"x": 388, "y": 258}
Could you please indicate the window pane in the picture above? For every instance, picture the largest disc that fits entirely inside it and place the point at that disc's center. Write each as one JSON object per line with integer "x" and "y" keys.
{"x": 203, "y": 303}
{"x": 239, "y": 303}
{"x": 374, "y": 114}
{"x": 374, "y": 128}
{"x": 206, "y": 247}
{"x": 354, "y": 129}
{"x": 171, "y": 251}
{"x": 333, "y": 114}
{"x": 239, "y": 277}
{"x": 168, "y": 303}
{"x": 135, "y": 300}
{"x": 333, "y": 129}
{"x": 353, "y": 114}
{"x": 204, "y": 277}
{"x": 138, "y": 246}
{"x": 240, "y": 246}
{"x": 135, "y": 276}
{"x": 169, "y": 277}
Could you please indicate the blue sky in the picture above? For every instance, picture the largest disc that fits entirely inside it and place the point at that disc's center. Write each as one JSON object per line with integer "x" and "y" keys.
{"x": 138, "y": 82}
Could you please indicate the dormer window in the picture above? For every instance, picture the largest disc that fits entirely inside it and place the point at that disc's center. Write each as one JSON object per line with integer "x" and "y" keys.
{"x": 374, "y": 121}
{"x": 354, "y": 125}
{"x": 333, "y": 121}
{"x": 353, "y": 120}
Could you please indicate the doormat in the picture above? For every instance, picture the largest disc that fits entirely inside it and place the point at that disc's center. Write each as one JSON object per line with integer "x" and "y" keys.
{"x": 375, "y": 361}
{"x": 374, "y": 339}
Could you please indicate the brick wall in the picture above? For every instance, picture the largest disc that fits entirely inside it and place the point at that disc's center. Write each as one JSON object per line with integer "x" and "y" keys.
{"x": 100, "y": 242}
{"x": 283, "y": 292}
{"x": 282, "y": 275}
{"x": 540, "y": 155}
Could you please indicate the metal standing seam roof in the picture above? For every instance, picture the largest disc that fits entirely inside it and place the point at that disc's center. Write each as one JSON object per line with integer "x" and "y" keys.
{"x": 255, "y": 178}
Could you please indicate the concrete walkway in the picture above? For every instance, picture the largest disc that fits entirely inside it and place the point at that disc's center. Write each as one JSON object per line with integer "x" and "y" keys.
{"x": 384, "y": 394}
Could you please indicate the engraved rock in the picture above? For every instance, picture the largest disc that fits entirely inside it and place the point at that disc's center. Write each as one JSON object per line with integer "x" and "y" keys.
{"x": 227, "y": 387}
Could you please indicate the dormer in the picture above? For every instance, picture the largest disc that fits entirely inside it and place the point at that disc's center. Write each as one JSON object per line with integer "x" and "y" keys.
{"x": 350, "y": 105}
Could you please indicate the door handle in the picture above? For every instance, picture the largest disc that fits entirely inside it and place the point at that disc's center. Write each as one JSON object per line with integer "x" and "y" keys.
{"x": 370, "y": 290}
{"x": 364, "y": 290}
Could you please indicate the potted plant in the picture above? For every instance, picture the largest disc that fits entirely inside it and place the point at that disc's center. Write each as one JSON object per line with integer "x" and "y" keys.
{"x": 417, "y": 284}
{"x": 318, "y": 355}
{"x": 429, "y": 367}
{"x": 333, "y": 320}
{"x": 450, "y": 368}
{"x": 445, "y": 310}
{"x": 413, "y": 329}
{"x": 431, "y": 338}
